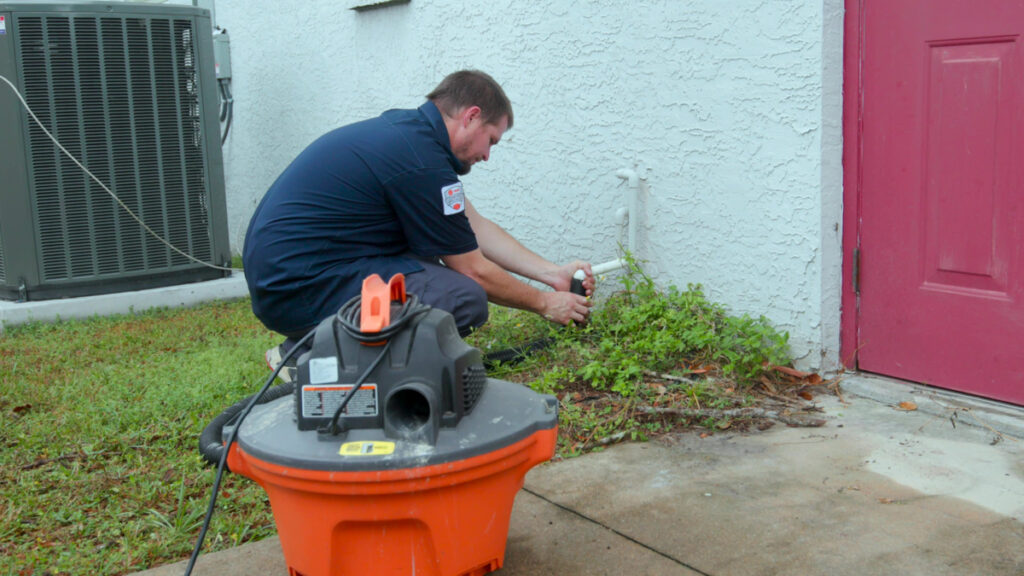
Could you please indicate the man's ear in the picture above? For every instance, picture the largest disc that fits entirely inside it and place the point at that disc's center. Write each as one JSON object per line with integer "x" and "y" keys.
{"x": 469, "y": 114}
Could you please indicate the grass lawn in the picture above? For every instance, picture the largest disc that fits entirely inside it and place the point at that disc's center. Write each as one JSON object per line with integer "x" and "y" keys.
{"x": 99, "y": 469}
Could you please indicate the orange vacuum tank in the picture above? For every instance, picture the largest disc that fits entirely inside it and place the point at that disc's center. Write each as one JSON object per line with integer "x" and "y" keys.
{"x": 416, "y": 473}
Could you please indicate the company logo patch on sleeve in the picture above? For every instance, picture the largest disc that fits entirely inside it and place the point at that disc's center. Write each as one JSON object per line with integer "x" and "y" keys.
{"x": 454, "y": 199}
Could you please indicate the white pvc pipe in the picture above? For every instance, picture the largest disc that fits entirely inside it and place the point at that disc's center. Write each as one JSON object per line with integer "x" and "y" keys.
{"x": 609, "y": 266}
{"x": 634, "y": 201}
{"x": 598, "y": 269}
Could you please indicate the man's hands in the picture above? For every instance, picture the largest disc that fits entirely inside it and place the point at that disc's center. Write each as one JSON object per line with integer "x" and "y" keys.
{"x": 563, "y": 306}
{"x": 502, "y": 288}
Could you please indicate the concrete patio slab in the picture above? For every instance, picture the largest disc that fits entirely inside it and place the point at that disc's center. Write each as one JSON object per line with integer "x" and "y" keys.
{"x": 887, "y": 493}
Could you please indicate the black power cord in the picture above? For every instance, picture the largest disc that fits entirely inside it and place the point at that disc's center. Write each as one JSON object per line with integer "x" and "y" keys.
{"x": 333, "y": 429}
{"x": 227, "y": 447}
{"x": 227, "y": 106}
{"x": 348, "y": 317}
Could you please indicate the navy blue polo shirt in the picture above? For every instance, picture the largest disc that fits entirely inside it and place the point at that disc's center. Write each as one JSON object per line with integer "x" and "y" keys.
{"x": 362, "y": 199}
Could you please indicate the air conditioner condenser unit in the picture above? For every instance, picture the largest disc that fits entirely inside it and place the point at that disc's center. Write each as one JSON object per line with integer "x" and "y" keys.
{"x": 129, "y": 90}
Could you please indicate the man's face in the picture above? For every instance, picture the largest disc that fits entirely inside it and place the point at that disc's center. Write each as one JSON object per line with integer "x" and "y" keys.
{"x": 472, "y": 142}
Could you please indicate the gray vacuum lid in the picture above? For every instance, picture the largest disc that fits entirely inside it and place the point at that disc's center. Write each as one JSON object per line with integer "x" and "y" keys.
{"x": 505, "y": 414}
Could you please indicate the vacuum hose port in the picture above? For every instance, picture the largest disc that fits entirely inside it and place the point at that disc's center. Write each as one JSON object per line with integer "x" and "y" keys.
{"x": 409, "y": 414}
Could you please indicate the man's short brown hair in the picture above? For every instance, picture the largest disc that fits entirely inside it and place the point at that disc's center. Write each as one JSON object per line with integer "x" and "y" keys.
{"x": 466, "y": 88}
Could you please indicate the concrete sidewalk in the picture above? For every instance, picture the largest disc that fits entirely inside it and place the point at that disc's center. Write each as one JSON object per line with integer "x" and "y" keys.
{"x": 875, "y": 491}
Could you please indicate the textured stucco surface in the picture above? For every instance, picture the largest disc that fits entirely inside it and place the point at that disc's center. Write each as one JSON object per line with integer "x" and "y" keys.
{"x": 729, "y": 111}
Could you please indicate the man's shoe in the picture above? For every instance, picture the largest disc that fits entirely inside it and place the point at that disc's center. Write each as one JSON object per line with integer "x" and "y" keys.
{"x": 289, "y": 372}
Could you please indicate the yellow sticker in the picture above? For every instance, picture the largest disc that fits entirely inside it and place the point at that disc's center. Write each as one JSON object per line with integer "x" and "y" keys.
{"x": 367, "y": 448}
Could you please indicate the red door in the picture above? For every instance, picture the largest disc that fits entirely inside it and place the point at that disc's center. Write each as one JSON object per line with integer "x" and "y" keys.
{"x": 941, "y": 234}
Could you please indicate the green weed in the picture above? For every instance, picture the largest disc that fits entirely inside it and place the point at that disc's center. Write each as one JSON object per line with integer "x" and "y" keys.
{"x": 636, "y": 331}
{"x": 184, "y": 519}
{"x": 644, "y": 329}
{"x": 643, "y": 346}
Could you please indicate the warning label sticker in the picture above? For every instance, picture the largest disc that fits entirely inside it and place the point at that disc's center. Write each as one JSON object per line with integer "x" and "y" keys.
{"x": 3, "y": 24}
{"x": 367, "y": 448}
{"x": 323, "y": 401}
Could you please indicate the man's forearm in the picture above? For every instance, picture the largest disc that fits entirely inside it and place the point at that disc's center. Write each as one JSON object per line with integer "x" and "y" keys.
{"x": 504, "y": 289}
{"x": 503, "y": 249}
{"x": 501, "y": 287}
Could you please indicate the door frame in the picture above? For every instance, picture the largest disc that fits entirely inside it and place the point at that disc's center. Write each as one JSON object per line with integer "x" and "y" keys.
{"x": 853, "y": 42}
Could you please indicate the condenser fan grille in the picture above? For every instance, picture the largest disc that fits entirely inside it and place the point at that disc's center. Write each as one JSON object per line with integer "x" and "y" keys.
{"x": 122, "y": 95}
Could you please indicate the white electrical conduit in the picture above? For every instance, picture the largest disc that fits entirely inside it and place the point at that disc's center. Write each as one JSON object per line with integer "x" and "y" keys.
{"x": 634, "y": 200}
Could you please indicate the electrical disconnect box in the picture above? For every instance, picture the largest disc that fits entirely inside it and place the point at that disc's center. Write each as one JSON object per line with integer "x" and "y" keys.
{"x": 222, "y": 53}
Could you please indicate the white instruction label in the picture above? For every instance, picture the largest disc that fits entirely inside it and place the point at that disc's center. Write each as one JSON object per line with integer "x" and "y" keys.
{"x": 323, "y": 370}
{"x": 3, "y": 24}
{"x": 323, "y": 401}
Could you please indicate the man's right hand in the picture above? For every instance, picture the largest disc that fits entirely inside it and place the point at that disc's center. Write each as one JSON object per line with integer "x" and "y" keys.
{"x": 565, "y": 307}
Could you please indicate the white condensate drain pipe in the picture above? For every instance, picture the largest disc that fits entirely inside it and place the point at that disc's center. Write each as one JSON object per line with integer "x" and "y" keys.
{"x": 634, "y": 201}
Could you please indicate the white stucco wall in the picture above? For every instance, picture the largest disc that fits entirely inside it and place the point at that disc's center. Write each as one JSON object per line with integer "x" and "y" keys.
{"x": 730, "y": 111}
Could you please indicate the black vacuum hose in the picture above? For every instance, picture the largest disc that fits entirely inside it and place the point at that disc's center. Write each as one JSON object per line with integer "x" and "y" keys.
{"x": 211, "y": 441}
{"x": 515, "y": 354}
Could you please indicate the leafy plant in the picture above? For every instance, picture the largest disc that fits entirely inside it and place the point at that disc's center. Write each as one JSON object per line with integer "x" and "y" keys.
{"x": 644, "y": 329}
{"x": 647, "y": 329}
{"x": 639, "y": 334}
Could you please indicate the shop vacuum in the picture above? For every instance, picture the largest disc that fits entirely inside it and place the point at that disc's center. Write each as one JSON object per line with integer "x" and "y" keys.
{"x": 393, "y": 453}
